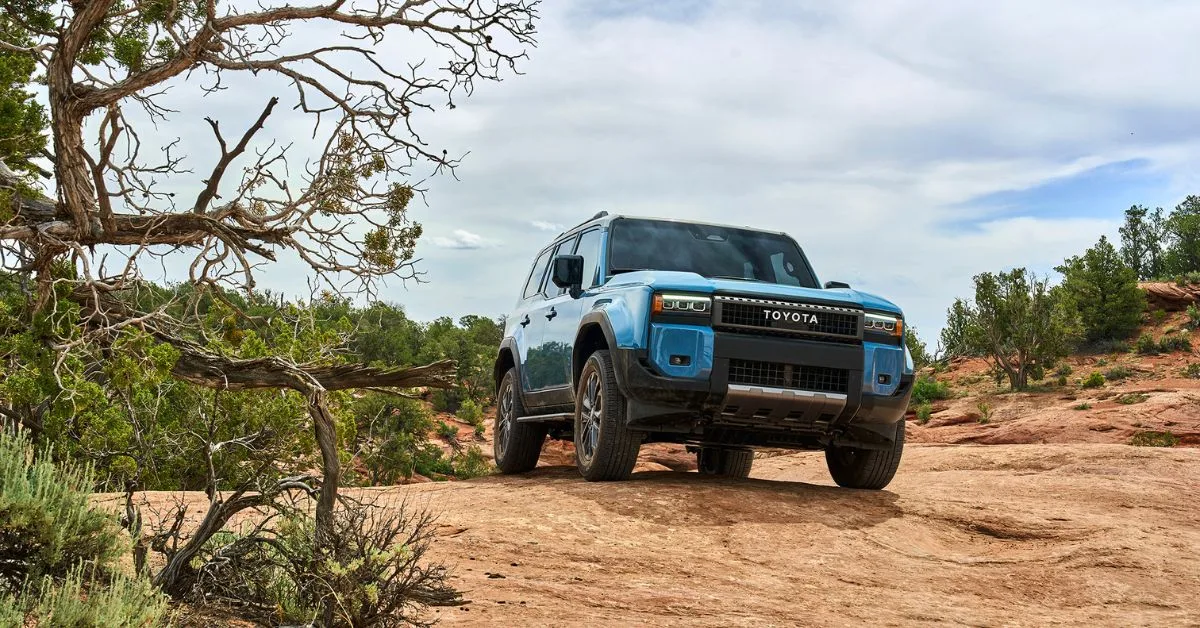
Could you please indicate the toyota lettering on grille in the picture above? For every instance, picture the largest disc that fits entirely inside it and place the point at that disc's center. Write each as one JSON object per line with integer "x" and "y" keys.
{"x": 791, "y": 318}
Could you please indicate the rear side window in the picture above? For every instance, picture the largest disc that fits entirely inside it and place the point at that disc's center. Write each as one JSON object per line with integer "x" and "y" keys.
{"x": 534, "y": 284}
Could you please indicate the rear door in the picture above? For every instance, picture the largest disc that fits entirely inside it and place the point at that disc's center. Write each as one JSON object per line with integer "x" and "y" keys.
{"x": 526, "y": 326}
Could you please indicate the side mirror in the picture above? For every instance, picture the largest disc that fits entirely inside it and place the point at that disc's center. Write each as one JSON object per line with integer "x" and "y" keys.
{"x": 566, "y": 271}
{"x": 834, "y": 285}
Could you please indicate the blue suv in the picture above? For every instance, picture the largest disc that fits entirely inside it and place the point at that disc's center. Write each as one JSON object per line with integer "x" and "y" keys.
{"x": 635, "y": 330}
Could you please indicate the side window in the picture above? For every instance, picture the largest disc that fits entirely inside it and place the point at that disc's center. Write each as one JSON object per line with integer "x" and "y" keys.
{"x": 589, "y": 248}
{"x": 534, "y": 283}
{"x": 563, "y": 248}
{"x": 785, "y": 270}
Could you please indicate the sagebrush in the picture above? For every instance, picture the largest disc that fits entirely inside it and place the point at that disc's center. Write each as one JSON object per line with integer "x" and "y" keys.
{"x": 59, "y": 555}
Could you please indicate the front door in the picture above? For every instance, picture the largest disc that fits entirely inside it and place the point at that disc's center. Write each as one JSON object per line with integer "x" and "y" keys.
{"x": 560, "y": 316}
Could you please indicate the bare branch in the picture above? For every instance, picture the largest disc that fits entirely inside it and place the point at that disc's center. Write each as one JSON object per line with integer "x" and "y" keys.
{"x": 227, "y": 157}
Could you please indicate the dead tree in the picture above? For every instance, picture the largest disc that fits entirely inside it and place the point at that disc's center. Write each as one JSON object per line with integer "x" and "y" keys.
{"x": 342, "y": 213}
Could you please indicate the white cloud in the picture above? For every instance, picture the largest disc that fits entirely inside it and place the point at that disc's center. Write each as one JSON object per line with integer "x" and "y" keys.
{"x": 460, "y": 239}
{"x": 864, "y": 129}
{"x": 865, "y": 133}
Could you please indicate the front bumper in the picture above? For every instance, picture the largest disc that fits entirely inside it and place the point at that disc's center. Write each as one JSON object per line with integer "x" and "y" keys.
{"x": 664, "y": 404}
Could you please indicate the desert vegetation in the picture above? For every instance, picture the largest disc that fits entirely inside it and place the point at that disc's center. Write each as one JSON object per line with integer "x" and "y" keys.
{"x": 204, "y": 382}
{"x": 1024, "y": 325}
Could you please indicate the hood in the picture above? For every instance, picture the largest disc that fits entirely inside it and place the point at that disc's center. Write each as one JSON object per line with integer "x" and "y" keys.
{"x": 692, "y": 282}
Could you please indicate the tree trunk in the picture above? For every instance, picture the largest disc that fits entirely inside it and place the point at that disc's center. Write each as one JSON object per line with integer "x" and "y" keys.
{"x": 331, "y": 472}
{"x": 71, "y": 169}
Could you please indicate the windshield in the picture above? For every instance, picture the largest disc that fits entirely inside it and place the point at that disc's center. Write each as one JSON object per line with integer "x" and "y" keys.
{"x": 711, "y": 251}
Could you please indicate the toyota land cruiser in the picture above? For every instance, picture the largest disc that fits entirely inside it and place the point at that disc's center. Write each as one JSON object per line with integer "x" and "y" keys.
{"x": 634, "y": 330}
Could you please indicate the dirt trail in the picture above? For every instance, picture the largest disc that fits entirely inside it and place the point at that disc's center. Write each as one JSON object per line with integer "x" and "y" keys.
{"x": 1028, "y": 535}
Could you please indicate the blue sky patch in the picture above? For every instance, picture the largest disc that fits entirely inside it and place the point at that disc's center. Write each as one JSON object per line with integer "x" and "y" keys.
{"x": 1102, "y": 192}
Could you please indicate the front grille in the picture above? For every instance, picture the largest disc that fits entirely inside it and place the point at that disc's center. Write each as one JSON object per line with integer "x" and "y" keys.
{"x": 791, "y": 376}
{"x": 792, "y": 319}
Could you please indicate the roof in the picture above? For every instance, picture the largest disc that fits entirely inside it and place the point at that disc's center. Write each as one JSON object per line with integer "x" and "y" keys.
{"x": 604, "y": 218}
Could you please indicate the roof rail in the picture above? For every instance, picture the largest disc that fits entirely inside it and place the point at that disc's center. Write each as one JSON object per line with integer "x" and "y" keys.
{"x": 599, "y": 214}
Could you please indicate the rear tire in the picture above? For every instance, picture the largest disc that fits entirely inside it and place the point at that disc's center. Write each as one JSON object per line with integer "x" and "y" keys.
{"x": 605, "y": 449}
{"x": 517, "y": 446}
{"x": 734, "y": 463}
{"x": 871, "y": 469}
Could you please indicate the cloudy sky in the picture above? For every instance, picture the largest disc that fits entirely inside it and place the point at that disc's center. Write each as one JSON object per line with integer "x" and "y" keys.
{"x": 905, "y": 144}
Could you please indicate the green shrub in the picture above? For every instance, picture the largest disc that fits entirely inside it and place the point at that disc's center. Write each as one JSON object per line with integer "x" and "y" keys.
{"x": 1082, "y": 406}
{"x": 470, "y": 412}
{"x": 1189, "y": 278}
{"x": 1174, "y": 342}
{"x": 471, "y": 463}
{"x": 392, "y": 433}
{"x": 1118, "y": 373}
{"x": 985, "y": 412}
{"x": 1037, "y": 372}
{"x": 1146, "y": 345}
{"x": 47, "y": 526}
{"x": 445, "y": 430}
{"x": 1064, "y": 370}
{"x": 58, "y": 554}
{"x": 12, "y": 610}
{"x": 448, "y": 400}
{"x": 431, "y": 462}
{"x": 1158, "y": 316}
{"x": 1192, "y": 371}
{"x": 924, "y": 412}
{"x": 927, "y": 389}
{"x": 1129, "y": 399}
{"x": 1107, "y": 346}
{"x": 83, "y": 600}
{"x": 1154, "y": 439}
{"x": 1095, "y": 380}
{"x": 1062, "y": 380}
{"x": 1193, "y": 314}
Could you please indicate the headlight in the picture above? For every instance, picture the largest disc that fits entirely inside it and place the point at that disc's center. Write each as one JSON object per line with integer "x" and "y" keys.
{"x": 684, "y": 305}
{"x": 883, "y": 324}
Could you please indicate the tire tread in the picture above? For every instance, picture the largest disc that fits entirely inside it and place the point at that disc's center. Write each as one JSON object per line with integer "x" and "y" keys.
{"x": 525, "y": 440}
{"x": 874, "y": 469}
{"x": 617, "y": 447}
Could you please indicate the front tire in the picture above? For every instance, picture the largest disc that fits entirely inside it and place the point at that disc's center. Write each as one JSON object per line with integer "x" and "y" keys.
{"x": 734, "y": 463}
{"x": 516, "y": 446}
{"x": 605, "y": 449}
{"x": 871, "y": 469}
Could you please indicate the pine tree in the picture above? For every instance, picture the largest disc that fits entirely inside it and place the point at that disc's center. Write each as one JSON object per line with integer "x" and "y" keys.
{"x": 1143, "y": 238}
{"x": 1183, "y": 234}
{"x": 1103, "y": 288}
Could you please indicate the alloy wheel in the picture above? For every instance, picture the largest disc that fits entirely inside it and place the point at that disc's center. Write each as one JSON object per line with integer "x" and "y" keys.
{"x": 590, "y": 413}
{"x": 504, "y": 420}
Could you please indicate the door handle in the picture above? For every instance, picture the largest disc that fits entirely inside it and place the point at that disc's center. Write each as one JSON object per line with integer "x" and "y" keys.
{"x": 552, "y": 314}
{"x": 525, "y": 321}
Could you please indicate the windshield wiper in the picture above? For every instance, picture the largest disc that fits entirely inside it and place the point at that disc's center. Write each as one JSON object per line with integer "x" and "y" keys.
{"x": 733, "y": 278}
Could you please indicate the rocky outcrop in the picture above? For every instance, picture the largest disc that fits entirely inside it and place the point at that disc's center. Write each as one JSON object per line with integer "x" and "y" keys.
{"x": 1162, "y": 295}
